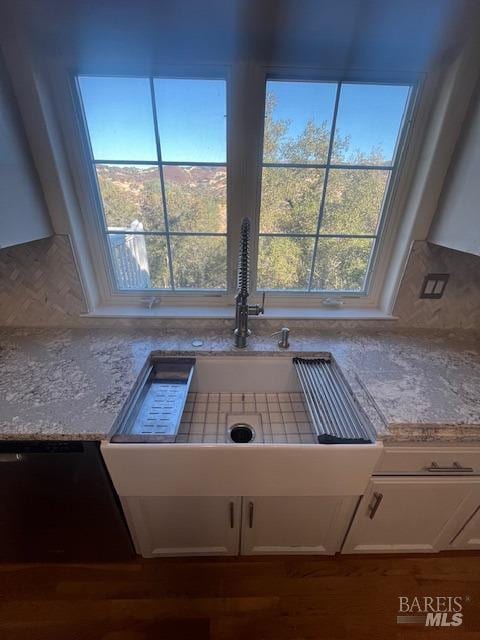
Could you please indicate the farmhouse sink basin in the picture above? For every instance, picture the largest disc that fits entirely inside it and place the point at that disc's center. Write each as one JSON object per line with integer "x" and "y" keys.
{"x": 284, "y": 456}
{"x": 256, "y": 399}
{"x": 237, "y": 399}
{"x": 217, "y": 399}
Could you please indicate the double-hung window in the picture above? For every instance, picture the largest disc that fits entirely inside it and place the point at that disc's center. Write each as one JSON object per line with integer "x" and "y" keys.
{"x": 158, "y": 155}
{"x": 158, "y": 161}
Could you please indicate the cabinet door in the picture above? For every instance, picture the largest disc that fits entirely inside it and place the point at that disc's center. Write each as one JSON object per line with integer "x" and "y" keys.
{"x": 456, "y": 221}
{"x": 295, "y": 525}
{"x": 184, "y": 525}
{"x": 410, "y": 514}
{"x": 23, "y": 214}
{"x": 468, "y": 535}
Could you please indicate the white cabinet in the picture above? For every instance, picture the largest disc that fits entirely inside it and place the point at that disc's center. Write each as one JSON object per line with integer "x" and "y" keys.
{"x": 183, "y": 525}
{"x": 223, "y": 526}
{"x": 174, "y": 496}
{"x": 295, "y": 525}
{"x": 457, "y": 222}
{"x": 416, "y": 514}
{"x": 23, "y": 214}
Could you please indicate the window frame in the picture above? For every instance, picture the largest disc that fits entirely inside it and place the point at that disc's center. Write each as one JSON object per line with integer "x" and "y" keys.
{"x": 91, "y": 200}
{"x": 391, "y": 211}
{"x": 246, "y": 92}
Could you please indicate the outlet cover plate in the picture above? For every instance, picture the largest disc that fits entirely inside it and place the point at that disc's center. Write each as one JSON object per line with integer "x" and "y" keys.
{"x": 434, "y": 285}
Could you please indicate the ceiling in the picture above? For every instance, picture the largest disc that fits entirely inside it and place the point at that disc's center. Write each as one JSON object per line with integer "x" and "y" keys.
{"x": 396, "y": 35}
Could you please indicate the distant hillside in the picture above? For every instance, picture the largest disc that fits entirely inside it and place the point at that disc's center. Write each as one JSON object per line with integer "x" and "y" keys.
{"x": 133, "y": 177}
{"x": 195, "y": 196}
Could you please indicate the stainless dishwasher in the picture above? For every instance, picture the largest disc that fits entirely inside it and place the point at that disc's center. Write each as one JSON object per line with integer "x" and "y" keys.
{"x": 58, "y": 503}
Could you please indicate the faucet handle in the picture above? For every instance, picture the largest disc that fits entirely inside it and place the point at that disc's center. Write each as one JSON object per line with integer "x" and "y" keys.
{"x": 257, "y": 309}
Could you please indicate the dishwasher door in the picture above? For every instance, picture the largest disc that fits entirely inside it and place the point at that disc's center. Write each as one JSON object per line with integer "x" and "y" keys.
{"x": 57, "y": 503}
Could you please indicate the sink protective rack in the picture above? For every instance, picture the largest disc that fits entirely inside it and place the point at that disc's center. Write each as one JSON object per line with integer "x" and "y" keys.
{"x": 335, "y": 416}
{"x": 156, "y": 408}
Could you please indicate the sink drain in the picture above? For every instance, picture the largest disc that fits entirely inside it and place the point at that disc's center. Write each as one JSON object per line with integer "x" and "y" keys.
{"x": 241, "y": 433}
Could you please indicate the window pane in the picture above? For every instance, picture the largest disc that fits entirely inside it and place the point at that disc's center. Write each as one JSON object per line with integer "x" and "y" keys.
{"x": 140, "y": 261}
{"x": 119, "y": 116}
{"x": 131, "y": 194}
{"x": 157, "y": 255}
{"x": 354, "y": 201}
{"x": 290, "y": 200}
{"x": 199, "y": 262}
{"x": 284, "y": 263}
{"x": 368, "y": 123}
{"x": 298, "y": 120}
{"x": 192, "y": 119}
{"x": 196, "y": 198}
{"x": 341, "y": 264}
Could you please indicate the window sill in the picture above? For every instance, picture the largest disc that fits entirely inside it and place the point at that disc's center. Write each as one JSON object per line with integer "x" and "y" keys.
{"x": 228, "y": 312}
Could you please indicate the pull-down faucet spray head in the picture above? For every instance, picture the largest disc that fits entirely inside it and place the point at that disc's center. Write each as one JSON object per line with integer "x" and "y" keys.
{"x": 242, "y": 308}
{"x": 243, "y": 274}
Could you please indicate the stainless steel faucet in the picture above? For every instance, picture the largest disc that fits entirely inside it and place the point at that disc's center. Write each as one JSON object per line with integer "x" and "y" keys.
{"x": 242, "y": 308}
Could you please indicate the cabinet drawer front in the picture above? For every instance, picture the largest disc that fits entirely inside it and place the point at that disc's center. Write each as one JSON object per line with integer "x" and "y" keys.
{"x": 429, "y": 461}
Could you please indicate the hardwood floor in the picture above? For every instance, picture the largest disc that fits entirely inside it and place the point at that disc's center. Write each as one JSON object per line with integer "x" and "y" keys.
{"x": 278, "y": 598}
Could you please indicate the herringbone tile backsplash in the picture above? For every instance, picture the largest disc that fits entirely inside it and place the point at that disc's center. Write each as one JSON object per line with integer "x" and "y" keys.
{"x": 40, "y": 286}
{"x": 460, "y": 305}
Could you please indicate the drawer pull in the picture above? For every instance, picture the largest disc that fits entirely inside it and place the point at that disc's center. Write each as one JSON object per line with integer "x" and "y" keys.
{"x": 232, "y": 515}
{"x": 377, "y": 498}
{"x": 455, "y": 468}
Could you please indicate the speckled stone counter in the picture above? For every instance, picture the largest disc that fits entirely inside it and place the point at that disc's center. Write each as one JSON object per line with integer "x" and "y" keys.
{"x": 71, "y": 384}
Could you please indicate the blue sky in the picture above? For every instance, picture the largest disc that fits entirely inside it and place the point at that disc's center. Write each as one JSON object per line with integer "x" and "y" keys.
{"x": 191, "y": 118}
{"x": 192, "y": 122}
{"x": 370, "y": 114}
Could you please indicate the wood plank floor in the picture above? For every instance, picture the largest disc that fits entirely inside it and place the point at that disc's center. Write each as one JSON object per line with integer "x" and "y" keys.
{"x": 280, "y": 598}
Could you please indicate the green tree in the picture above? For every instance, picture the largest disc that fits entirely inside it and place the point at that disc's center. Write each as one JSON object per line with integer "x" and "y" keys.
{"x": 291, "y": 200}
{"x": 195, "y": 204}
{"x": 291, "y": 197}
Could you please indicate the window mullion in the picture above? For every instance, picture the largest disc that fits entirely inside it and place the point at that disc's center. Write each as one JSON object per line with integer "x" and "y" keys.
{"x": 245, "y": 142}
{"x": 162, "y": 182}
{"x": 233, "y": 172}
{"x": 325, "y": 182}
{"x": 256, "y": 92}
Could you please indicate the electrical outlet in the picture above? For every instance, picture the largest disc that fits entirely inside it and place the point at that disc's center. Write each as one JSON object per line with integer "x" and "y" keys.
{"x": 434, "y": 285}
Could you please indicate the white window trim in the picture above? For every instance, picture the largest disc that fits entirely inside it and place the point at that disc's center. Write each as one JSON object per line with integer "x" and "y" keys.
{"x": 87, "y": 190}
{"x": 245, "y": 104}
{"x": 386, "y": 239}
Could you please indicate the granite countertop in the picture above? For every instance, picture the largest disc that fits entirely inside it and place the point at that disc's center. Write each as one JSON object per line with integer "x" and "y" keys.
{"x": 72, "y": 383}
